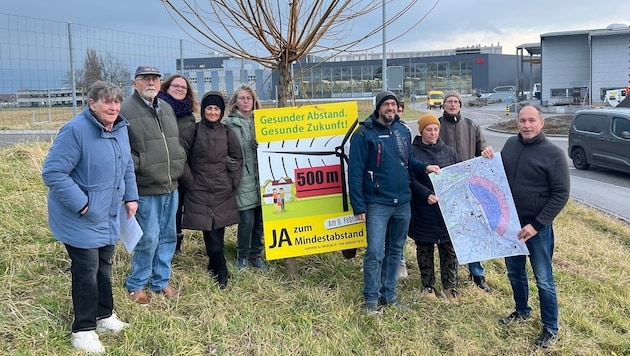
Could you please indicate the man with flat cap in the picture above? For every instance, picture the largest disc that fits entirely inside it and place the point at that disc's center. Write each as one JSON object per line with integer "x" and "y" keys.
{"x": 159, "y": 162}
{"x": 378, "y": 179}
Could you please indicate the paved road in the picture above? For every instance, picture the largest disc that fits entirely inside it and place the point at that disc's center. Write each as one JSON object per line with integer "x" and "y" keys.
{"x": 606, "y": 190}
{"x": 11, "y": 137}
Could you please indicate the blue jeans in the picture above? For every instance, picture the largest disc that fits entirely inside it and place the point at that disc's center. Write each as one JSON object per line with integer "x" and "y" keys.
{"x": 91, "y": 285}
{"x": 151, "y": 261}
{"x": 540, "y": 254}
{"x": 476, "y": 269}
{"x": 387, "y": 228}
{"x": 250, "y": 231}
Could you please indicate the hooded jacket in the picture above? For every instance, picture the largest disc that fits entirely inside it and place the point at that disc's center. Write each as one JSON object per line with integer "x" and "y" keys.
{"x": 378, "y": 161}
{"x": 87, "y": 165}
{"x": 248, "y": 192}
{"x": 209, "y": 202}
{"x": 427, "y": 224}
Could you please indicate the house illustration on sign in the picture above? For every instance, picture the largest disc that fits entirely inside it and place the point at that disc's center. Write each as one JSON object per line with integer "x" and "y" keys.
{"x": 271, "y": 190}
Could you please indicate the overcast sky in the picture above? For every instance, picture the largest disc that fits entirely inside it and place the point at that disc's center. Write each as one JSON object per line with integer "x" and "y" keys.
{"x": 452, "y": 23}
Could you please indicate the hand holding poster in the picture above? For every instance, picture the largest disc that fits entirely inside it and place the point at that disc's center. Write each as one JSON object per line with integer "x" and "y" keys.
{"x": 477, "y": 206}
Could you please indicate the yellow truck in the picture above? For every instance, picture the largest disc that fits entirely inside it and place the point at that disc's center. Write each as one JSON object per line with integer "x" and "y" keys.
{"x": 434, "y": 99}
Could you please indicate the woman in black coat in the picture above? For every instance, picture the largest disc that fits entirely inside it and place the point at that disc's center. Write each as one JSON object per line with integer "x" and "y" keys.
{"x": 211, "y": 175}
{"x": 427, "y": 227}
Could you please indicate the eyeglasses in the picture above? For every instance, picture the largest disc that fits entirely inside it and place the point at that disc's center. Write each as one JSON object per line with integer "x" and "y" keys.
{"x": 451, "y": 102}
{"x": 245, "y": 98}
{"x": 149, "y": 78}
{"x": 177, "y": 86}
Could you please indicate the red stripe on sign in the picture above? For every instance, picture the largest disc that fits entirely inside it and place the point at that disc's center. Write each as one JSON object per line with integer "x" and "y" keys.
{"x": 315, "y": 181}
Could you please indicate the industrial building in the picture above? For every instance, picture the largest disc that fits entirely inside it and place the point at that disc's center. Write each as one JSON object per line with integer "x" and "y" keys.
{"x": 468, "y": 70}
{"x": 576, "y": 63}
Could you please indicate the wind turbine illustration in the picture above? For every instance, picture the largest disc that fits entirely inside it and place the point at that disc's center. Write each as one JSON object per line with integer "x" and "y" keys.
{"x": 338, "y": 151}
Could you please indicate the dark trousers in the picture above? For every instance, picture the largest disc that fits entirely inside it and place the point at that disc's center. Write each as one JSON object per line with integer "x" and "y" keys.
{"x": 448, "y": 264}
{"x": 214, "y": 241}
{"x": 250, "y": 231}
{"x": 91, "y": 285}
{"x": 180, "y": 212}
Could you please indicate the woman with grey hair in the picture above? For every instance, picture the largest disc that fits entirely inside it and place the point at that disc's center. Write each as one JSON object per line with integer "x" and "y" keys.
{"x": 90, "y": 175}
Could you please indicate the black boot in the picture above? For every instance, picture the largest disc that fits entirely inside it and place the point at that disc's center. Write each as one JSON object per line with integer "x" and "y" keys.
{"x": 480, "y": 281}
{"x": 178, "y": 246}
{"x": 214, "y": 248}
{"x": 349, "y": 253}
{"x": 222, "y": 278}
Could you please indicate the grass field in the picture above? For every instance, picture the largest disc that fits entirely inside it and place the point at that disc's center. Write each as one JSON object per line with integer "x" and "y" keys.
{"x": 266, "y": 313}
{"x": 34, "y": 118}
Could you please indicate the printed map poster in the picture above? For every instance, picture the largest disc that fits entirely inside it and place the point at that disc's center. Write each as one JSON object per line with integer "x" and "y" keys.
{"x": 302, "y": 158}
{"x": 477, "y": 205}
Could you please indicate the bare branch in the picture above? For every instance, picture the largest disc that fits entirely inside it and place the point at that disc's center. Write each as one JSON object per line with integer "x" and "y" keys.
{"x": 277, "y": 33}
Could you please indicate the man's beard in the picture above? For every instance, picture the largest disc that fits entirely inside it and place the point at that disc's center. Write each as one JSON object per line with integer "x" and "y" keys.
{"x": 149, "y": 94}
{"x": 388, "y": 120}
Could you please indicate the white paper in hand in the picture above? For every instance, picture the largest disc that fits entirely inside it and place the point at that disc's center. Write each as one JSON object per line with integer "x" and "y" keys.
{"x": 130, "y": 231}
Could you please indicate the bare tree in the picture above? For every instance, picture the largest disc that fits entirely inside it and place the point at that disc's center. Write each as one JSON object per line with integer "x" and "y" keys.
{"x": 277, "y": 33}
{"x": 99, "y": 67}
{"x": 114, "y": 70}
{"x": 92, "y": 68}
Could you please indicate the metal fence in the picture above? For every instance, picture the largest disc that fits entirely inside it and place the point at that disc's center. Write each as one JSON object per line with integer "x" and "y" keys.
{"x": 40, "y": 54}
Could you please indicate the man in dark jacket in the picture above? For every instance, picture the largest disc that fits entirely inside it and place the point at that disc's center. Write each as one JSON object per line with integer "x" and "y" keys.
{"x": 466, "y": 138}
{"x": 159, "y": 162}
{"x": 379, "y": 193}
{"x": 538, "y": 175}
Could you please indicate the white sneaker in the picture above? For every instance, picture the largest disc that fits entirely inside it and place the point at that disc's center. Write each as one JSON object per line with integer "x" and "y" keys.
{"x": 110, "y": 324}
{"x": 87, "y": 341}
{"x": 402, "y": 270}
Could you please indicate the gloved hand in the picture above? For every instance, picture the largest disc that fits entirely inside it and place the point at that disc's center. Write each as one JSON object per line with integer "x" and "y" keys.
{"x": 232, "y": 164}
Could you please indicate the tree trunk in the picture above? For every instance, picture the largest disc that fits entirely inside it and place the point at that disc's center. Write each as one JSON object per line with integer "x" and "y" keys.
{"x": 285, "y": 85}
{"x": 286, "y": 98}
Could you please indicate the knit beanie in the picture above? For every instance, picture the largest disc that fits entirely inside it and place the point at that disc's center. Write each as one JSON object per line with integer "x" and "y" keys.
{"x": 213, "y": 98}
{"x": 425, "y": 120}
{"x": 384, "y": 95}
{"x": 455, "y": 94}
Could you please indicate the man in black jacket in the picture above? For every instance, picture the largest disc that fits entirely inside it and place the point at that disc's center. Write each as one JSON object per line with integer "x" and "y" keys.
{"x": 538, "y": 175}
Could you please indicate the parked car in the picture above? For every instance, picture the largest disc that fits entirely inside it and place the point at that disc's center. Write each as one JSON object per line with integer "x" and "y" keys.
{"x": 601, "y": 137}
{"x": 434, "y": 99}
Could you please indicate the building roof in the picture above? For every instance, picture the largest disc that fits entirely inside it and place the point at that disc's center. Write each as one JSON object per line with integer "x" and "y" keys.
{"x": 611, "y": 29}
{"x": 531, "y": 48}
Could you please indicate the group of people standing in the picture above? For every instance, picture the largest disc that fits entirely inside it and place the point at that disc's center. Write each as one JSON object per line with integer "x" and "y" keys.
{"x": 149, "y": 157}
{"x": 390, "y": 190}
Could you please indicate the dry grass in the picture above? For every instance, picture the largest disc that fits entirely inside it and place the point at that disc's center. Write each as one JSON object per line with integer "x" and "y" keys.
{"x": 35, "y": 118}
{"x": 554, "y": 125}
{"x": 321, "y": 314}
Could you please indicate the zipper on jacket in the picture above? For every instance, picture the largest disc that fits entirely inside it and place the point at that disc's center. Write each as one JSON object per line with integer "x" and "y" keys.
{"x": 168, "y": 154}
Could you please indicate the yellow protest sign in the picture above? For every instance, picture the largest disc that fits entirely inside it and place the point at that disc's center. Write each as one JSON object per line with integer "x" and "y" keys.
{"x": 302, "y": 158}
